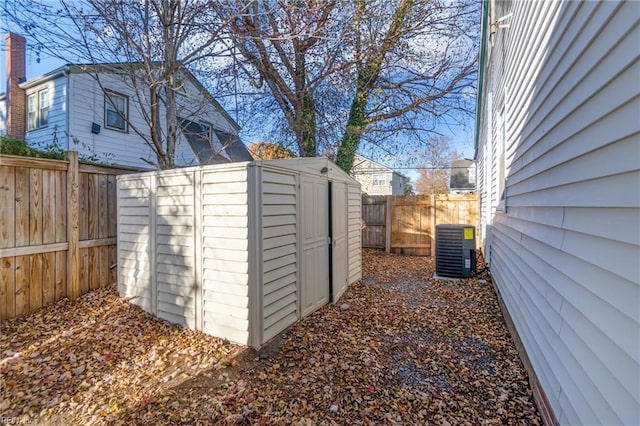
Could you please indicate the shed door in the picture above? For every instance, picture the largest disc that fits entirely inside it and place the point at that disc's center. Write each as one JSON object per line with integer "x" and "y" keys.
{"x": 339, "y": 253}
{"x": 314, "y": 224}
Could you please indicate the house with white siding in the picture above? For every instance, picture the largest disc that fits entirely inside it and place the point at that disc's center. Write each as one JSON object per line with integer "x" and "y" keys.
{"x": 463, "y": 177}
{"x": 558, "y": 162}
{"x": 98, "y": 111}
{"x": 376, "y": 178}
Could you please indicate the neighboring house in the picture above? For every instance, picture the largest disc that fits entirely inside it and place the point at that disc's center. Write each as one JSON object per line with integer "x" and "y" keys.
{"x": 558, "y": 154}
{"x": 377, "y": 179}
{"x": 105, "y": 120}
{"x": 463, "y": 177}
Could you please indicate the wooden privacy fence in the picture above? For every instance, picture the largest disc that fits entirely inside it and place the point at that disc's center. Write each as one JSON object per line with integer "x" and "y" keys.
{"x": 406, "y": 225}
{"x": 57, "y": 231}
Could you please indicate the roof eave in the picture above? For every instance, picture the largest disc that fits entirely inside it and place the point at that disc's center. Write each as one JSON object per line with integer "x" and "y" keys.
{"x": 483, "y": 53}
{"x": 52, "y": 75}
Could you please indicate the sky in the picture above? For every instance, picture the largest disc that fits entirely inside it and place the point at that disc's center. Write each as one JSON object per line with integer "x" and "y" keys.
{"x": 34, "y": 69}
{"x": 461, "y": 136}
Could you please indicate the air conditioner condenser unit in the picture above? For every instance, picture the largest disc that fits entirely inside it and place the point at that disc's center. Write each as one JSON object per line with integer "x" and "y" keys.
{"x": 455, "y": 250}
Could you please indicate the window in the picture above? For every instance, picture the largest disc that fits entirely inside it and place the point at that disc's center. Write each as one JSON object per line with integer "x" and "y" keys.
{"x": 206, "y": 129}
{"x": 379, "y": 180}
{"x": 38, "y": 109}
{"x": 43, "y": 108}
{"x": 116, "y": 111}
{"x": 32, "y": 112}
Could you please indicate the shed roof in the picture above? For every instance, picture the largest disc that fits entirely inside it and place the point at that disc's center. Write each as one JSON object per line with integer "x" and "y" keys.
{"x": 314, "y": 166}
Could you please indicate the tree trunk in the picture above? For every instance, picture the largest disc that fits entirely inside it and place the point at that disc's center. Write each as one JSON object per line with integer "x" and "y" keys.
{"x": 307, "y": 128}
{"x": 170, "y": 60}
{"x": 172, "y": 122}
{"x": 355, "y": 126}
{"x": 154, "y": 127}
{"x": 367, "y": 76}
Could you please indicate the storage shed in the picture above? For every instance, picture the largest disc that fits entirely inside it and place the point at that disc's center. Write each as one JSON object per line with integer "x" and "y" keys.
{"x": 240, "y": 251}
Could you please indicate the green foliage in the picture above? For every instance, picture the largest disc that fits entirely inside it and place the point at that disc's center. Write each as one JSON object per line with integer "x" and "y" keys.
{"x": 11, "y": 146}
{"x": 52, "y": 150}
{"x": 408, "y": 188}
{"x": 104, "y": 159}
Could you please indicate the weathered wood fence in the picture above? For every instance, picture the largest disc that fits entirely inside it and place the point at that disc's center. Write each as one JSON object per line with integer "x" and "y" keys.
{"x": 57, "y": 231}
{"x": 406, "y": 225}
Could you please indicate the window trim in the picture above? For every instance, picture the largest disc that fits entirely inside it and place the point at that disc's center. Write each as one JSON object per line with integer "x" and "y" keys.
{"x": 32, "y": 124}
{"x": 204, "y": 124}
{"x": 107, "y": 93}
{"x": 38, "y": 123}
{"x": 42, "y": 124}
{"x": 379, "y": 177}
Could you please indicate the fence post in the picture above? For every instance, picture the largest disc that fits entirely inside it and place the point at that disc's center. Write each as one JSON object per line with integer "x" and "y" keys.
{"x": 434, "y": 212}
{"x": 73, "y": 227}
{"x": 387, "y": 227}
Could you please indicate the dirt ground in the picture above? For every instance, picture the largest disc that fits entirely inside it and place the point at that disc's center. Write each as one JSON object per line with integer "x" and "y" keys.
{"x": 398, "y": 348}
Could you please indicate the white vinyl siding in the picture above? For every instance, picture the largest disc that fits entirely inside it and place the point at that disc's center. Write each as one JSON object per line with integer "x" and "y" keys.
{"x": 88, "y": 106}
{"x": 175, "y": 248}
{"x": 225, "y": 252}
{"x": 376, "y": 179}
{"x": 215, "y": 248}
{"x": 49, "y": 114}
{"x": 354, "y": 232}
{"x": 195, "y": 272}
{"x": 565, "y": 254}
{"x": 280, "y": 255}
{"x": 134, "y": 241}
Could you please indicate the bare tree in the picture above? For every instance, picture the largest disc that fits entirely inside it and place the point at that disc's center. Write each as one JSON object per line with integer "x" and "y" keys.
{"x": 147, "y": 44}
{"x": 434, "y": 176}
{"x": 368, "y": 68}
{"x": 287, "y": 46}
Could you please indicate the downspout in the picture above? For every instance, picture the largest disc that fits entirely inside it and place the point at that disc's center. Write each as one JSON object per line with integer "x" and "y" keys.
{"x": 483, "y": 53}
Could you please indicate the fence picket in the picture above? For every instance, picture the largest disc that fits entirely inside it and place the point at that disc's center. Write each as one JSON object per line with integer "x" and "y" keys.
{"x": 46, "y": 205}
{"x": 406, "y": 224}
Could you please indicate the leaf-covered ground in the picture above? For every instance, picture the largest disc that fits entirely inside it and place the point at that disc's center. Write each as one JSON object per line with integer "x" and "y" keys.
{"x": 399, "y": 348}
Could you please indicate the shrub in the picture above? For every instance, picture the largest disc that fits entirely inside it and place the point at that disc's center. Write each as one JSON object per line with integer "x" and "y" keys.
{"x": 12, "y": 146}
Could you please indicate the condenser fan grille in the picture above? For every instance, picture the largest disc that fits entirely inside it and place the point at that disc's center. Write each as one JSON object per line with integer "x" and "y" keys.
{"x": 455, "y": 250}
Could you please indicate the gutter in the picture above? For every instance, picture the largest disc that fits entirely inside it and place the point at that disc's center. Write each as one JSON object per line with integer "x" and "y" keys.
{"x": 483, "y": 57}
{"x": 46, "y": 77}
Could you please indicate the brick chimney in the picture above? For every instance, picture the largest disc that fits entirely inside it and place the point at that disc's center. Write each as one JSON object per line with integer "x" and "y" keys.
{"x": 15, "y": 46}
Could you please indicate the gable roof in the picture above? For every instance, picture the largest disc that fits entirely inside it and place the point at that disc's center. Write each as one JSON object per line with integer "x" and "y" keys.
{"x": 114, "y": 67}
{"x": 362, "y": 159}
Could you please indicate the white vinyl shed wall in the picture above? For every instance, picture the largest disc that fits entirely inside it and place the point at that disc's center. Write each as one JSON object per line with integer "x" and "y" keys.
{"x": 560, "y": 132}
{"x": 218, "y": 248}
